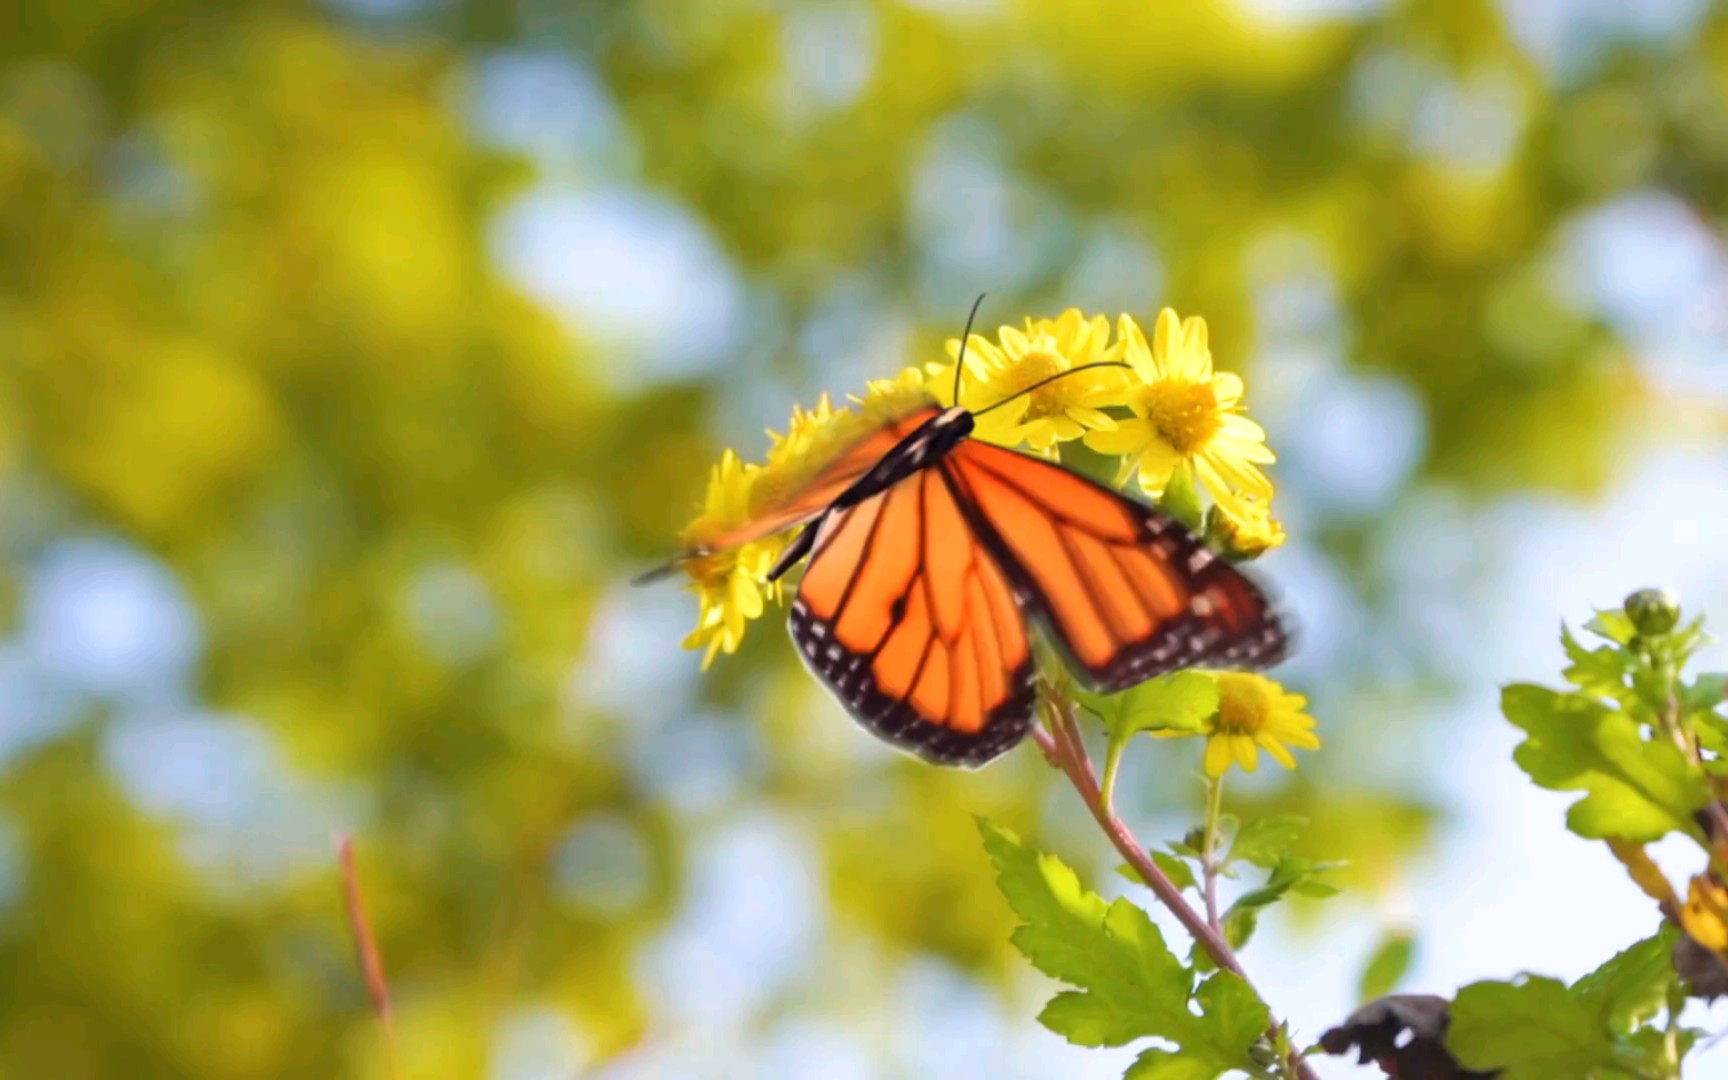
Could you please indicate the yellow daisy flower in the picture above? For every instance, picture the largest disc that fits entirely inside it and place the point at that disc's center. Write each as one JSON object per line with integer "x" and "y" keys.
{"x": 1052, "y": 414}
{"x": 1184, "y": 411}
{"x": 814, "y": 437}
{"x": 1254, "y": 714}
{"x": 730, "y": 585}
{"x": 888, "y": 398}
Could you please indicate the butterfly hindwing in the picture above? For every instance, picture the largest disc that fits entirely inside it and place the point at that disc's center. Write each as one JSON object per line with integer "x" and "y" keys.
{"x": 1126, "y": 590}
{"x": 913, "y": 624}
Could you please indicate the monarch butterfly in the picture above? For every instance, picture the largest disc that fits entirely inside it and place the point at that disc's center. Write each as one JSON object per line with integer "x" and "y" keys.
{"x": 930, "y": 553}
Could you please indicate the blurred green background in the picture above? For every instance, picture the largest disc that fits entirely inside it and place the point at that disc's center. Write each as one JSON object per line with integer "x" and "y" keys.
{"x": 354, "y": 354}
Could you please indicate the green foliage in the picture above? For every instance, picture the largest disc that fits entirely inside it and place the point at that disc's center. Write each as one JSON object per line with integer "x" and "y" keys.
{"x": 1539, "y": 1027}
{"x": 1180, "y": 701}
{"x": 1129, "y": 984}
{"x": 1637, "y": 787}
{"x": 1387, "y": 965}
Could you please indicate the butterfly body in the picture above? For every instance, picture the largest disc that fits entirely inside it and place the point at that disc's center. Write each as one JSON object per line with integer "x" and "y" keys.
{"x": 932, "y": 554}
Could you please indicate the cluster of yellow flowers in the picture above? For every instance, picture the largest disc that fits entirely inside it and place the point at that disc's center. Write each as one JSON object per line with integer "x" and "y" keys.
{"x": 1167, "y": 412}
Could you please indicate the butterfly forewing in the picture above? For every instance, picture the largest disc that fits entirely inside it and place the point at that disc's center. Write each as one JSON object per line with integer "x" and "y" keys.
{"x": 829, "y": 482}
{"x": 1126, "y": 591}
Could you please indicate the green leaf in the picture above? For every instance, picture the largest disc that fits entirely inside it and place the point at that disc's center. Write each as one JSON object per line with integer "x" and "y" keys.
{"x": 1633, "y": 984}
{"x": 1636, "y": 789}
{"x": 1614, "y": 626}
{"x": 1533, "y": 1030}
{"x": 1387, "y": 966}
{"x": 1706, "y": 691}
{"x": 1178, "y": 702}
{"x": 1136, "y": 987}
{"x": 1171, "y": 1065}
{"x": 1062, "y": 919}
{"x": 1239, "y": 924}
{"x": 1264, "y": 841}
{"x": 1600, "y": 672}
{"x": 1130, "y": 985}
{"x": 1179, "y": 872}
{"x": 1181, "y": 498}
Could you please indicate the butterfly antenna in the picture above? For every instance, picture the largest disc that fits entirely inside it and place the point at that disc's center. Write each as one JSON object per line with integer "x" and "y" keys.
{"x": 1050, "y": 379}
{"x": 960, "y": 361}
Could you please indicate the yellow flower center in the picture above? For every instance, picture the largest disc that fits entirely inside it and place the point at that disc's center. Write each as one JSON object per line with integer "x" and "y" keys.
{"x": 1185, "y": 413}
{"x": 1243, "y": 705}
{"x": 1039, "y": 362}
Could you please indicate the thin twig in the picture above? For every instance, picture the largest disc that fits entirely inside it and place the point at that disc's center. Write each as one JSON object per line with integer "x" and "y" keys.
{"x": 1063, "y": 749}
{"x": 366, "y": 950}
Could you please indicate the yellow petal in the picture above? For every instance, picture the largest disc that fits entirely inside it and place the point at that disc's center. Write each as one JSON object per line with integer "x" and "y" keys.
{"x": 1272, "y": 746}
{"x": 1217, "y": 755}
{"x": 1227, "y": 388}
{"x": 1135, "y": 350}
{"x": 1243, "y": 747}
{"x": 1196, "y": 353}
{"x": 1167, "y": 344}
{"x": 1125, "y": 437}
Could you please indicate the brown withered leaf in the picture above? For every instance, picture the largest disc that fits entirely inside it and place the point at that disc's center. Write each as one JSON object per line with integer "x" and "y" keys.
{"x": 1700, "y": 967}
{"x": 1404, "y": 1034}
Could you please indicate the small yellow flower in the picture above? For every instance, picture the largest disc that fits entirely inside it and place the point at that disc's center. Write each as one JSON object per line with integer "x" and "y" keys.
{"x": 1245, "y": 535}
{"x": 814, "y": 437}
{"x": 1705, "y": 914}
{"x": 885, "y": 399}
{"x": 730, "y": 585}
{"x": 1184, "y": 411}
{"x": 1060, "y": 411}
{"x": 1254, "y": 714}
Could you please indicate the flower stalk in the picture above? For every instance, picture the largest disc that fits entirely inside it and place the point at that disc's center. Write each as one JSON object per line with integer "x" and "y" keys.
{"x": 1209, "y": 865}
{"x": 1061, "y": 745}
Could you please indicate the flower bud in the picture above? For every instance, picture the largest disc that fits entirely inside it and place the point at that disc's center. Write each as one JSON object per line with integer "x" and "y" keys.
{"x": 1242, "y": 538}
{"x": 1653, "y": 611}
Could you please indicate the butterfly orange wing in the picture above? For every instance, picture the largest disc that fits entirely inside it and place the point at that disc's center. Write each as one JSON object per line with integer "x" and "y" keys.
{"x": 1126, "y": 590}
{"x": 814, "y": 496}
{"x": 914, "y": 625}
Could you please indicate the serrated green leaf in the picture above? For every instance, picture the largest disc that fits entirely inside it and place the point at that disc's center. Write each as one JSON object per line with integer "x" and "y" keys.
{"x": 1137, "y": 988}
{"x": 1181, "y": 499}
{"x": 1636, "y": 789}
{"x": 1612, "y": 625}
{"x": 1601, "y": 672}
{"x": 1171, "y": 1065}
{"x": 1180, "y": 701}
{"x": 1386, "y": 966}
{"x": 1533, "y": 1030}
{"x": 1264, "y": 841}
{"x": 1130, "y": 985}
{"x": 1063, "y": 921}
{"x": 1633, "y": 984}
